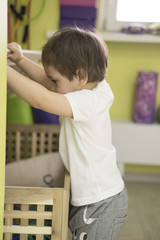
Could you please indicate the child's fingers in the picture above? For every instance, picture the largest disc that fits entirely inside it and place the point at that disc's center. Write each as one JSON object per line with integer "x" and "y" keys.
{"x": 14, "y": 52}
{"x": 14, "y": 46}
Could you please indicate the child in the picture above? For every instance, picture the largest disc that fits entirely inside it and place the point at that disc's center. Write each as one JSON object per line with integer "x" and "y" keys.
{"x": 72, "y": 85}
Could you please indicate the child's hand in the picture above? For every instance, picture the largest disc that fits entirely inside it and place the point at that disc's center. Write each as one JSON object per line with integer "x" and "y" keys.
{"x": 15, "y": 54}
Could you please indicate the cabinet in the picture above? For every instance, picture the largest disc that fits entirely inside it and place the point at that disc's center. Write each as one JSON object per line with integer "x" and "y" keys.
{"x": 136, "y": 143}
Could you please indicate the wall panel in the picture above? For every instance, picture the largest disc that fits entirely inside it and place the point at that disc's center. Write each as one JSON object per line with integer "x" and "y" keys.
{"x": 3, "y": 61}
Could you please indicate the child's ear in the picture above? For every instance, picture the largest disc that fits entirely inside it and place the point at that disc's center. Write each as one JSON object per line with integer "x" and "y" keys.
{"x": 83, "y": 81}
{"x": 82, "y": 76}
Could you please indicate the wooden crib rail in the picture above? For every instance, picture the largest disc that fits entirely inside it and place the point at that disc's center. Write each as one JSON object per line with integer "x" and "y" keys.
{"x": 25, "y": 141}
{"x": 26, "y": 206}
{"x": 46, "y": 208}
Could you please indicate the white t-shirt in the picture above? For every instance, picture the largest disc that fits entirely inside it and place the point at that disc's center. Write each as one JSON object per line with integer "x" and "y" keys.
{"x": 86, "y": 146}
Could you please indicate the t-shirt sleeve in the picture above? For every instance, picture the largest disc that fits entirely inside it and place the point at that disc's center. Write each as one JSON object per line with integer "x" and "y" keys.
{"x": 86, "y": 104}
{"x": 83, "y": 104}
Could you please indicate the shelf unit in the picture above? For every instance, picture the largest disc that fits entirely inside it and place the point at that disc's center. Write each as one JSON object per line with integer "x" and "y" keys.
{"x": 136, "y": 143}
{"x": 122, "y": 37}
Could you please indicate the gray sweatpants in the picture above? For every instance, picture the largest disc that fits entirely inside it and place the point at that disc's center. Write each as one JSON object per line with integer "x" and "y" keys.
{"x": 99, "y": 221}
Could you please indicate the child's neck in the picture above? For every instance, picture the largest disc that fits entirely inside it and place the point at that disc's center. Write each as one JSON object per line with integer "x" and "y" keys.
{"x": 90, "y": 85}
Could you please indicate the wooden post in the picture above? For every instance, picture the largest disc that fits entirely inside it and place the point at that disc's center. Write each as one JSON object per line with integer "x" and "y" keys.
{"x": 3, "y": 63}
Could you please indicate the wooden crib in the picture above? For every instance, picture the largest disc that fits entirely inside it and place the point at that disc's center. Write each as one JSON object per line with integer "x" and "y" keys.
{"x": 35, "y": 211}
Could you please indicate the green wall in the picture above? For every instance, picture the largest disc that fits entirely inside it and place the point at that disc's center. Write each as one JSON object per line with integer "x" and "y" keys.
{"x": 125, "y": 60}
{"x": 48, "y": 20}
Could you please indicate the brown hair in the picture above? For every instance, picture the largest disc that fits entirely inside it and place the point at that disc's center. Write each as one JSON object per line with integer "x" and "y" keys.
{"x": 72, "y": 49}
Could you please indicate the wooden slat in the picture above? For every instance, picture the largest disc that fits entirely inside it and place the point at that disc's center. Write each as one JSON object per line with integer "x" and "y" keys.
{"x": 57, "y": 216}
{"x": 8, "y": 221}
{"x": 65, "y": 210}
{"x": 42, "y": 143}
{"x": 18, "y": 150}
{"x": 34, "y": 127}
{"x": 49, "y": 142}
{"x": 27, "y": 230}
{"x": 28, "y": 215}
{"x": 24, "y": 222}
{"x": 40, "y": 222}
{"x": 30, "y": 195}
{"x": 67, "y": 180}
{"x": 34, "y": 139}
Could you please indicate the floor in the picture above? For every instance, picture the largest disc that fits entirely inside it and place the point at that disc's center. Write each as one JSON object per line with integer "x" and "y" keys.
{"x": 143, "y": 222}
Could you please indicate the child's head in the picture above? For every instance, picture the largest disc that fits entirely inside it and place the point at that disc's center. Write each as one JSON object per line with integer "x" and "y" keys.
{"x": 76, "y": 52}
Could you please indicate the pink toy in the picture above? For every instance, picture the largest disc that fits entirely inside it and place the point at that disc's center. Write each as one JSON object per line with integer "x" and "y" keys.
{"x": 84, "y": 3}
{"x": 145, "y": 97}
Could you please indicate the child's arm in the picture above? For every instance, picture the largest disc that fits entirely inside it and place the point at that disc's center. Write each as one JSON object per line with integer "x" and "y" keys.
{"x": 30, "y": 68}
{"x": 37, "y": 95}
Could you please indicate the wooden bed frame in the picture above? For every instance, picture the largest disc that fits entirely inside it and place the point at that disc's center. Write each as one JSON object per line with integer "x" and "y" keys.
{"x": 25, "y": 141}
